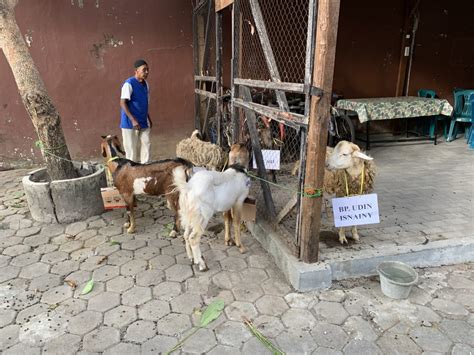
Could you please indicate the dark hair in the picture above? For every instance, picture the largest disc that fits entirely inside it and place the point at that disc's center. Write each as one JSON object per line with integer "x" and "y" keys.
{"x": 138, "y": 63}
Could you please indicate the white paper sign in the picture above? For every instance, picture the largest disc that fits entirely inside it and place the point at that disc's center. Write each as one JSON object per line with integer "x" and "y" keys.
{"x": 271, "y": 158}
{"x": 355, "y": 210}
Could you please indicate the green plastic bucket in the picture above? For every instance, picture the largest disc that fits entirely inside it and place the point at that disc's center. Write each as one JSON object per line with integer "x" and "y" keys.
{"x": 396, "y": 278}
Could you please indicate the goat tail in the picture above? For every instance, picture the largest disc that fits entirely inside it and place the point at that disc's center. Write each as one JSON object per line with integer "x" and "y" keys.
{"x": 179, "y": 179}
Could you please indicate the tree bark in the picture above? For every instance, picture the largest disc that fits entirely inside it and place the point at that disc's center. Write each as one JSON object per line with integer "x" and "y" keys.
{"x": 33, "y": 93}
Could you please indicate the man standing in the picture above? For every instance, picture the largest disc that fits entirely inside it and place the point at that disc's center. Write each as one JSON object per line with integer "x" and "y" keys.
{"x": 135, "y": 121}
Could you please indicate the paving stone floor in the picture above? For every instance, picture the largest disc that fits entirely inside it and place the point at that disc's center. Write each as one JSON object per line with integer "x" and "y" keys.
{"x": 425, "y": 194}
{"x": 147, "y": 296}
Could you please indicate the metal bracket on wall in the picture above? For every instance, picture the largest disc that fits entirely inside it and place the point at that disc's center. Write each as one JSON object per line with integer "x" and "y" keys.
{"x": 313, "y": 90}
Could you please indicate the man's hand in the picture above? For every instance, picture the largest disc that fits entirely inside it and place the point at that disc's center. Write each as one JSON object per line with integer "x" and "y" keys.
{"x": 135, "y": 124}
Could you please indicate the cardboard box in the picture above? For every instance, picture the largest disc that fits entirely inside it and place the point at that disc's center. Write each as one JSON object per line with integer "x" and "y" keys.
{"x": 112, "y": 198}
{"x": 249, "y": 210}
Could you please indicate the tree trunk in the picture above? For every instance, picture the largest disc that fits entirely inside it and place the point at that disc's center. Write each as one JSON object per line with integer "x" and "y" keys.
{"x": 33, "y": 93}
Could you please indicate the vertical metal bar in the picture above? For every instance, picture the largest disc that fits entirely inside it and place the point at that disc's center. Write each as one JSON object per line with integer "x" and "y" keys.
{"x": 416, "y": 15}
{"x": 235, "y": 68}
{"x": 312, "y": 11}
{"x": 205, "y": 60}
{"x": 219, "y": 92}
{"x": 309, "y": 64}
{"x": 197, "y": 104}
{"x": 252, "y": 126}
{"x": 367, "y": 136}
{"x": 207, "y": 38}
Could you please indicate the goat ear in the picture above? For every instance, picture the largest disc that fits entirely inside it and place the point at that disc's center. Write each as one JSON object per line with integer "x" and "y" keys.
{"x": 354, "y": 147}
{"x": 104, "y": 153}
{"x": 103, "y": 137}
{"x": 361, "y": 155}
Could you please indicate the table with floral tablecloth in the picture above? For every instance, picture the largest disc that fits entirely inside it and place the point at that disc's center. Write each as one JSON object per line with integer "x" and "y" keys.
{"x": 387, "y": 108}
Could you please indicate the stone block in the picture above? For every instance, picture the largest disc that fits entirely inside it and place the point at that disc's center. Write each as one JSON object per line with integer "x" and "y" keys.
{"x": 84, "y": 322}
{"x": 136, "y": 296}
{"x": 178, "y": 273}
{"x": 186, "y": 303}
{"x": 140, "y": 331}
{"x": 100, "y": 339}
{"x": 153, "y": 310}
{"x": 120, "y": 284}
{"x": 120, "y": 316}
{"x": 104, "y": 301}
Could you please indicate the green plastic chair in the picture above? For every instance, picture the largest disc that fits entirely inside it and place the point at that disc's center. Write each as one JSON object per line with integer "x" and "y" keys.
{"x": 431, "y": 94}
{"x": 462, "y": 113}
{"x": 470, "y": 135}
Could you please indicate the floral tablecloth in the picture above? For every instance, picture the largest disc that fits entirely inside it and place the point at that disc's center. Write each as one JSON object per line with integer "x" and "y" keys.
{"x": 387, "y": 108}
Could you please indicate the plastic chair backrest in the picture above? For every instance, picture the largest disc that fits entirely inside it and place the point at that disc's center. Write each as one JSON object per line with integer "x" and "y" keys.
{"x": 463, "y": 104}
{"x": 431, "y": 94}
{"x": 471, "y": 100}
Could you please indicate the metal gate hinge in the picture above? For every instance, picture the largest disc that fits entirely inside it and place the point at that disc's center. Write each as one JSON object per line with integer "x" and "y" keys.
{"x": 313, "y": 90}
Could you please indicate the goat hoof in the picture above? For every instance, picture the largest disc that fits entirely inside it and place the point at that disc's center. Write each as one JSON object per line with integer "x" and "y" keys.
{"x": 242, "y": 249}
{"x": 343, "y": 240}
{"x": 131, "y": 230}
{"x": 229, "y": 242}
{"x": 126, "y": 224}
{"x": 173, "y": 234}
{"x": 203, "y": 268}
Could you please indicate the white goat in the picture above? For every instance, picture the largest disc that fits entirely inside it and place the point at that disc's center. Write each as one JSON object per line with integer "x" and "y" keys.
{"x": 345, "y": 163}
{"x": 206, "y": 193}
{"x": 201, "y": 153}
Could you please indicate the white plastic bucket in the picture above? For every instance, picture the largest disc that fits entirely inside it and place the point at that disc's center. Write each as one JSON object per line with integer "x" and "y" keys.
{"x": 396, "y": 278}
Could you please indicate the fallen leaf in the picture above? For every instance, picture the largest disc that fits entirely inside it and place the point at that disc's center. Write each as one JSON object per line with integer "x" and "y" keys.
{"x": 71, "y": 283}
{"x": 88, "y": 287}
{"x": 53, "y": 306}
{"x": 263, "y": 339}
{"x": 212, "y": 312}
{"x": 102, "y": 259}
{"x": 114, "y": 242}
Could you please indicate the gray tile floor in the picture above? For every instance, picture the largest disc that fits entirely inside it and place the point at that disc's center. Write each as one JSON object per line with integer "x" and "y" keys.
{"x": 146, "y": 294}
{"x": 425, "y": 194}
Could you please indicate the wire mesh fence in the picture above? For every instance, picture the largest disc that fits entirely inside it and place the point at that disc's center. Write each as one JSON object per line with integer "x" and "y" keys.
{"x": 286, "y": 26}
{"x": 282, "y": 26}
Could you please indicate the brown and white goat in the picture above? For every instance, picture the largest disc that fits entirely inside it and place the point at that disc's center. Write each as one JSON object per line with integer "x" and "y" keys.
{"x": 239, "y": 155}
{"x": 206, "y": 193}
{"x": 132, "y": 178}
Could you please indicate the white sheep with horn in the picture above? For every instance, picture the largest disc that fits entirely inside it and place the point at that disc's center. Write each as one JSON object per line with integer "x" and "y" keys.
{"x": 349, "y": 171}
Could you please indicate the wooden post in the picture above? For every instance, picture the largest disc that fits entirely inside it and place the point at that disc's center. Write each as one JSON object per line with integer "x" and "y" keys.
{"x": 308, "y": 70}
{"x": 325, "y": 52}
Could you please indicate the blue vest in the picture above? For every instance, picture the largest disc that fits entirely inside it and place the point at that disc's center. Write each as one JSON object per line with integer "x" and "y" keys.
{"x": 138, "y": 105}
